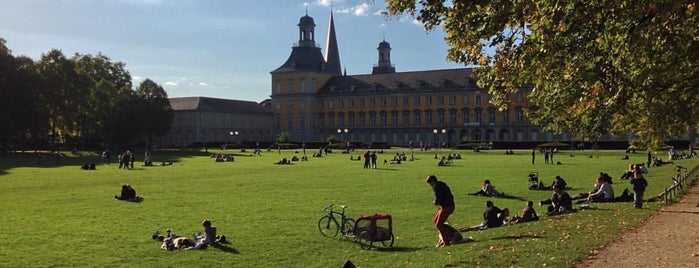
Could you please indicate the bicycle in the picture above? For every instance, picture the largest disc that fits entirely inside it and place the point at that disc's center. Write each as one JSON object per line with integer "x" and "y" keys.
{"x": 329, "y": 225}
{"x": 677, "y": 179}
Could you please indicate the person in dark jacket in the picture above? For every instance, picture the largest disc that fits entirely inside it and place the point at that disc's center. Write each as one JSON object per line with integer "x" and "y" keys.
{"x": 444, "y": 200}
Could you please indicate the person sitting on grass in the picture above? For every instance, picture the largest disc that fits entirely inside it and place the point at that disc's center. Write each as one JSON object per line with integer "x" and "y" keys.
{"x": 528, "y": 214}
{"x": 128, "y": 193}
{"x": 492, "y": 217}
{"x": 604, "y": 193}
{"x": 487, "y": 189}
{"x": 560, "y": 202}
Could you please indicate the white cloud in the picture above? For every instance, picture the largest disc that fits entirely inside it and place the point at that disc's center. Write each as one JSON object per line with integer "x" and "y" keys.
{"x": 136, "y": 77}
{"x": 324, "y": 2}
{"x": 359, "y": 10}
{"x": 171, "y": 83}
{"x": 416, "y": 22}
{"x": 203, "y": 84}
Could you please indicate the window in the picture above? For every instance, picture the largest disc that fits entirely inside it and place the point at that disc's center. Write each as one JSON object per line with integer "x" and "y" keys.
{"x": 278, "y": 86}
{"x": 394, "y": 119}
{"x": 302, "y": 104}
{"x": 361, "y": 102}
{"x": 340, "y": 103}
{"x": 440, "y": 100}
{"x": 452, "y": 117}
{"x": 290, "y": 105}
{"x": 452, "y": 100}
{"x": 406, "y": 118}
{"x": 477, "y": 116}
{"x": 405, "y": 101}
{"x": 302, "y": 121}
{"x": 372, "y": 119}
{"x": 506, "y": 116}
{"x": 519, "y": 115}
{"x": 362, "y": 119}
{"x": 290, "y": 85}
{"x": 491, "y": 115}
{"x": 383, "y": 102}
{"x": 312, "y": 84}
{"x": 417, "y": 100}
{"x": 440, "y": 117}
{"x": 351, "y": 103}
{"x": 331, "y": 119}
{"x": 394, "y": 101}
{"x": 465, "y": 113}
{"x": 302, "y": 85}
{"x": 351, "y": 119}
{"x": 428, "y": 117}
{"x": 428, "y": 100}
{"x": 341, "y": 119}
{"x": 383, "y": 119}
{"x": 372, "y": 102}
{"x": 290, "y": 121}
{"x": 330, "y": 104}
{"x": 416, "y": 118}
{"x": 464, "y": 99}
{"x": 478, "y": 100}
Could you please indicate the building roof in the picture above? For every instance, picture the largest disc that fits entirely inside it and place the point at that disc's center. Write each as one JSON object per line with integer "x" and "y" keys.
{"x": 303, "y": 59}
{"x": 206, "y": 104}
{"x": 432, "y": 80}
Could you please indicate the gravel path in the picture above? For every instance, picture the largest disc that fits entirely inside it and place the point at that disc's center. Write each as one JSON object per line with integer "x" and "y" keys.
{"x": 668, "y": 238}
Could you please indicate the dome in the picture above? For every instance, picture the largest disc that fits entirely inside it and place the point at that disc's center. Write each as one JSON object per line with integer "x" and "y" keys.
{"x": 306, "y": 20}
{"x": 384, "y": 44}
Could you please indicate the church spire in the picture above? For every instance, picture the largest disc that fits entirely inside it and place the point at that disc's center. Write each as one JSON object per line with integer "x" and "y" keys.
{"x": 332, "y": 53}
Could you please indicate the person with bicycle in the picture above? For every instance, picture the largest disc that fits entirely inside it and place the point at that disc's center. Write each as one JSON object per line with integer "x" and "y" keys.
{"x": 444, "y": 199}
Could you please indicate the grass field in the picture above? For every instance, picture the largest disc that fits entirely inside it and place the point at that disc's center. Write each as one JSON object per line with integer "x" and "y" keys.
{"x": 57, "y": 215}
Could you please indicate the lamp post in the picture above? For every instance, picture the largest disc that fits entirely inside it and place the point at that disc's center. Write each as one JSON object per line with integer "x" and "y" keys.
{"x": 434, "y": 137}
{"x": 444, "y": 132}
{"x": 342, "y": 132}
{"x": 233, "y": 133}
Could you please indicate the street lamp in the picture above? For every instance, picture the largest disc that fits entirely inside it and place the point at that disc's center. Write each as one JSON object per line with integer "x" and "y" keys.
{"x": 342, "y": 133}
{"x": 434, "y": 137}
{"x": 444, "y": 131}
{"x": 233, "y": 133}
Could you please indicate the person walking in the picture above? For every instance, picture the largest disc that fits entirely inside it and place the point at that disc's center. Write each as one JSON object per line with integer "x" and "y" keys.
{"x": 444, "y": 200}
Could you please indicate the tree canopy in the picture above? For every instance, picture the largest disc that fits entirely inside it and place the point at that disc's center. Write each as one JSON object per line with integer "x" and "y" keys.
{"x": 594, "y": 67}
{"x": 85, "y": 101}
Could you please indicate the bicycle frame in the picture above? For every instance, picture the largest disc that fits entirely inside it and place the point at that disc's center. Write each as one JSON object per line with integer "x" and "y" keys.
{"x": 341, "y": 222}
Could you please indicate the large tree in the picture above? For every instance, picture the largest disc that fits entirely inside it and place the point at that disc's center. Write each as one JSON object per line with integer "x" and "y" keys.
{"x": 21, "y": 119}
{"x": 595, "y": 67}
{"x": 156, "y": 115}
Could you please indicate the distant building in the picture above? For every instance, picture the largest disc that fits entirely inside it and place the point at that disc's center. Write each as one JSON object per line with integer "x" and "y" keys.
{"x": 312, "y": 99}
{"x": 209, "y": 120}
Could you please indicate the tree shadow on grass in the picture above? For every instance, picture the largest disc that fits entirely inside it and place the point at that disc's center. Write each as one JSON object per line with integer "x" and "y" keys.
{"x": 225, "y": 248}
{"x": 514, "y": 237}
{"x": 399, "y": 249}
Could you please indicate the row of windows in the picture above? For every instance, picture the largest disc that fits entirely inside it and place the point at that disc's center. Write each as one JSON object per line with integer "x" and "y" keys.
{"x": 291, "y": 85}
{"x": 393, "y": 101}
{"x": 465, "y": 117}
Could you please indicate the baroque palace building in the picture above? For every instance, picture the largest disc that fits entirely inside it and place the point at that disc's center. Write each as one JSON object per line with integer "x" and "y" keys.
{"x": 312, "y": 99}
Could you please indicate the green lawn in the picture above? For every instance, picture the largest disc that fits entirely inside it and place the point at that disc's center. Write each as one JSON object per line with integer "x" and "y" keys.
{"x": 58, "y": 215}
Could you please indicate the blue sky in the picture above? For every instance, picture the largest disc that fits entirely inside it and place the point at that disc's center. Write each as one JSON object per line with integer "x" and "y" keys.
{"x": 214, "y": 48}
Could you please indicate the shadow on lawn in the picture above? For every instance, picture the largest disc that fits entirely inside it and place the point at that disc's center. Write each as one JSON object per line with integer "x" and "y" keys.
{"x": 400, "y": 249}
{"x": 514, "y": 237}
{"x": 225, "y": 248}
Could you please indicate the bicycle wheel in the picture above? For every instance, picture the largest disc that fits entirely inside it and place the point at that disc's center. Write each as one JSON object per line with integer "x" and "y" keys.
{"x": 388, "y": 243}
{"x": 327, "y": 226}
{"x": 364, "y": 240}
{"x": 348, "y": 228}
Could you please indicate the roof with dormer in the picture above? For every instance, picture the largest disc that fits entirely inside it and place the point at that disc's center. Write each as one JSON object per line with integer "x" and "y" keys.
{"x": 432, "y": 80}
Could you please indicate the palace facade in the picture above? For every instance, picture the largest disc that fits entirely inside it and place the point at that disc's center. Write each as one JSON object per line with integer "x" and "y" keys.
{"x": 312, "y": 99}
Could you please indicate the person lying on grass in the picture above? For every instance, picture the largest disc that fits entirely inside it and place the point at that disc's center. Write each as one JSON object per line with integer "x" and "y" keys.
{"x": 487, "y": 189}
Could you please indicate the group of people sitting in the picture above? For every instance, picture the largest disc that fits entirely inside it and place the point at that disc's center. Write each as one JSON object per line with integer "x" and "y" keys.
{"x": 128, "y": 193}
{"x": 88, "y": 166}
{"x": 198, "y": 241}
{"x": 493, "y": 217}
{"x": 223, "y": 157}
